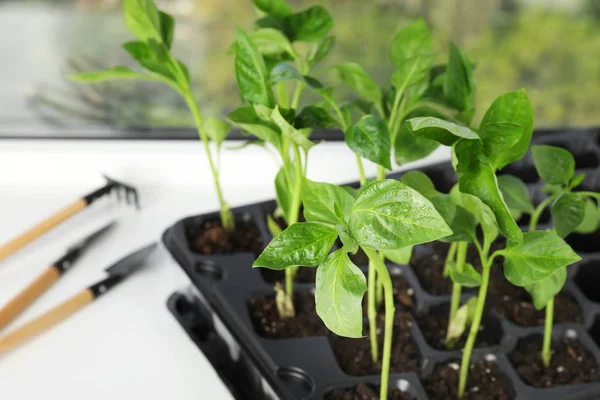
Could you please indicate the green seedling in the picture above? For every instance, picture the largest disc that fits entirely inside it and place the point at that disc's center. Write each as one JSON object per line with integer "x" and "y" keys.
{"x": 503, "y": 137}
{"x": 386, "y": 215}
{"x": 571, "y": 212}
{"x": 155, "y": 31}
{"x": 267, "y": 65}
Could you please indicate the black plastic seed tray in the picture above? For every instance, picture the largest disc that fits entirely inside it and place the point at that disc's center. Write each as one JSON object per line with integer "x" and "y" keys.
{"x": 214, "y": 309}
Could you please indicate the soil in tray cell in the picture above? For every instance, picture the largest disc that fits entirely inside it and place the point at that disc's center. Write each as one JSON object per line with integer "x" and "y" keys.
{"x": 304, "y": 275}
{"x": 267, "y": 322}
{"x": 354, "y": 355}
{"x": 210, "y": 238}
{"x": 434, "y": 325}
{"x": 364, "y": 391}
{"x": 484, "y": 382}
{"x": 571, "y": 363}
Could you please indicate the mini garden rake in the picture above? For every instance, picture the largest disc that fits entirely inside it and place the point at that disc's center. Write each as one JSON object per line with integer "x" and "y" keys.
{"x": 123, "y": 191}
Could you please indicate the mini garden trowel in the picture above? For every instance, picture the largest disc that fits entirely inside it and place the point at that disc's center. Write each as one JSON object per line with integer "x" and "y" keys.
{"x": 117, "y": 273}
{"x": 130, "y": 195}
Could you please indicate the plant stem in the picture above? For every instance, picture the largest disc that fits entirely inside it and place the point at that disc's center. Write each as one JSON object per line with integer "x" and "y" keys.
{"x": 546, "y": 348}
{"x": 380, "y": 176}
{"x": 282, "y": 94}
{"x": 538, "y": 212}
{"x": 384, "y": 275}
{"x": 361, "y": 170}
{"x": 466, "y": 359}
{"x": 296, "y": 97}
{"x": 450, "y": 257}
{"x": 372, "y": 312}
{"x": 456, "y": 288}
{"x": 226, "y": 215}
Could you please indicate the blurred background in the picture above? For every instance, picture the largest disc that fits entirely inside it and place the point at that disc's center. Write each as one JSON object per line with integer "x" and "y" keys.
{"x": 549, "y": 47}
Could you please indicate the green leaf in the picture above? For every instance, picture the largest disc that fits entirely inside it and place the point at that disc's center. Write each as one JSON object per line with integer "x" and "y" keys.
{"x": 340, "y": 287}
{"x": 567, "y": 213}
{"x": 409, "y": 147}
{"x": 304, "y": 243}
{"x": 309, "y": 25}
{"x": 467, "y": 277}
{"x": 553, "y": 164}
{"x": 284, "y": 72}
{"x": 462, "y": 319}
{"x": 543, "y": 291}
{"x": 576, "y": 181}
{"x": 325, "y": 203}
{"x": 277, "y": 8}
{"x": 421, "y": 183}
{"x": 389, "y": 215}
{"x": 515, "y": 194}
{"x": 515, "y": 108}
{"x": 251, "y": 72}
{"x": 591, "y": 218}
{"x": 477, "y": 177}
{"x": 400, "y": 256}
{"x": 439, "y": 130}
{"x": 413, "y": 71}
{"x": 167, "y": 28}
{"x": 353, "y": 75}
{"x": 111, "y": 73}
{"x": 283, "y": 194}
{"x": 508, "y": 119}
{"x": 483, "y": 215}
{"x": 216, "y": 130}
{"x": 247, "y": 119}
{"x": 461, "y": 222}
{"x": 370, "y": 138}
{"x": 459, "y": 85}
{"x": 138, "y": 50}
{"x": 315, "y": 117}
{"x": 413, "y": 40}
{"x": 537, "y": 257}
{"x": 271, "y": 42}
{"x": 319, "y": 51}
{"x": 295, "y": 135}
{"x": 142, "y": 18}
{"x": 246, "y": 143}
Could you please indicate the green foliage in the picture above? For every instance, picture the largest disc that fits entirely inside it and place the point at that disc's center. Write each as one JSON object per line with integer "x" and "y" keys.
{"x": 568, "y": 213}
{"x": 536, "y": 258}
{"x": 467, "y": 277}
{"x": 326, "y": 203}
{"x": 459, "y": 85}
{"x": 412, "y": 41}
{"x": 278, "y": 8}
{"x": 444, "y": 132}
{"x": 370, "y": 139}
{"x": 461, "y": 321}
{"x": 543, "y": 291}
{"x": 409, "y": 147}
{"x": 340, "y": 287}
{"x": 319, "y": 51}
{"x": 355, "y": 76}
{"x": 515, "y": 194}
{"x": 309, "y": 25}
{"x": 553, "y": 164}
{"x": 251, "y": 72}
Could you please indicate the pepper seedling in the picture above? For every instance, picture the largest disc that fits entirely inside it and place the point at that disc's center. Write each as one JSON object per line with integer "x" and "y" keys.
{"x": 571, "y": 212}
{"x": 266, "y": 60}
{"x": 503, "y": 137}
{"x": 155, "y": 31}
{"x": 385, "y": 215}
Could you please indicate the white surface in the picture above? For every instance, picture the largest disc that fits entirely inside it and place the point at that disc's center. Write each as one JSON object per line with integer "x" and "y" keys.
{"x": 126, "y": 345}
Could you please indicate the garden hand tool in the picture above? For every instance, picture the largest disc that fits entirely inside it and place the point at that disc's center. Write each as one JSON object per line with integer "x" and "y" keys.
{"x": 117, "y": 273}
{"x": 47, "y": 278}
{"x": 130, "y": 195}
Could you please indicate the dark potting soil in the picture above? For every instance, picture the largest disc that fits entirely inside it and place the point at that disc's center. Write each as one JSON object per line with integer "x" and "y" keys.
{"x": 304, "y": 275}
{"x": 364, "y": 391}
{"x": 210, "y": 238}
{"x": 434, "y": 325}
{"x": 515, "y": 304}
{"x": 484, "y": 383}
{"x": 267, "y": 322}
{"x": 571, "y": 363}
{"x": 354, "y": 355}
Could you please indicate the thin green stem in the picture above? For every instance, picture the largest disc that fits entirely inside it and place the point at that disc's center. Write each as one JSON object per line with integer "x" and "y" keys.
{"x": 538, "y": 212}
{"x": 395, "y": 108}
{"x": 361, "y": 170}
{"x": 450, "y": 257}
{"x": 384, "y": 275}
{"x": 380, "y": 172}
{"x": 282, "y": 94}
{"x": 226, "y": 215}
{"x": 466, "y": 359}
{"x": 296, "y": 97}
{"x": 461, "y": 256}
{"x": 372, "y": 311}
{"x": 590, "y": 194}
{"x": 547, "y": 346}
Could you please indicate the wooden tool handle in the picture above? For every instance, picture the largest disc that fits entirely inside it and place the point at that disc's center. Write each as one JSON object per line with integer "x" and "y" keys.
{"x": 26, "y": 297}
{"x": 41, "y": 228}
{"x": 46, "y": 321}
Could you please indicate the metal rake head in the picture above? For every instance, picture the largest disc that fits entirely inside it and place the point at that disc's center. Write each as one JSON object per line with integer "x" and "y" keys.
{"x": 123, "y": 191}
